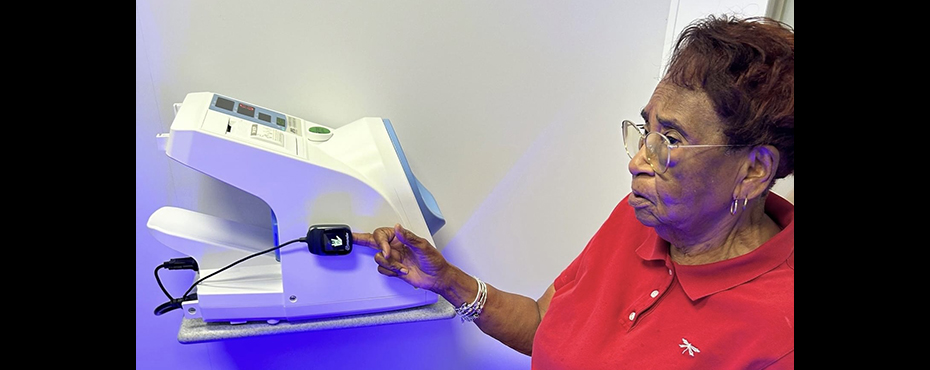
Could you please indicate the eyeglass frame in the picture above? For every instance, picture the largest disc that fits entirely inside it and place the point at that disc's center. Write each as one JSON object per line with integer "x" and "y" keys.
{"x": 640, "y": 127}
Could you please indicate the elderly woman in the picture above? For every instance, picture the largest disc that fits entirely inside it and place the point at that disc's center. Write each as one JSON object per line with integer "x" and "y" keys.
{"x": 694, "y": 268}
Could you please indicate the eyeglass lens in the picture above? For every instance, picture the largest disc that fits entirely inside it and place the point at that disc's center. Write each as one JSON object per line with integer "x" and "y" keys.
{"x": 656, "y": 146}
{"x": 632, "y": 138}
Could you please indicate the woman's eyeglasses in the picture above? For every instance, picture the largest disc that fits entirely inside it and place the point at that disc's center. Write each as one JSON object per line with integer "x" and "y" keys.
{"x": 658, "y": 148}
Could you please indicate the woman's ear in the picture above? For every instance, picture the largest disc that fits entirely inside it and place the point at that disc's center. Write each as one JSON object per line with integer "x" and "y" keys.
{"x": 760, "y": 172}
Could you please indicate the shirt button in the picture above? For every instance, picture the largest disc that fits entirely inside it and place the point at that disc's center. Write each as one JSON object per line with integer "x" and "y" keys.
{"x": 654, "y": 293}
{"x": 669, "y": 271}
{"x": 632, "y": 315}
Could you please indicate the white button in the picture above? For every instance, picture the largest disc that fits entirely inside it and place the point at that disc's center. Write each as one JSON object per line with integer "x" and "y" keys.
{"x": 632, "y": 315}
{"x": 669, "y": 271}
{"x": 654, "y": 293}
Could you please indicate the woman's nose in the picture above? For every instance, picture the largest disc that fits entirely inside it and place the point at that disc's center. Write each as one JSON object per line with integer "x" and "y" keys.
{"x": 639, "y": 164}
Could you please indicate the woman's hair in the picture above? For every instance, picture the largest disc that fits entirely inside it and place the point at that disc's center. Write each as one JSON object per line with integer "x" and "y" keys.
{"x": 746, "y": 67}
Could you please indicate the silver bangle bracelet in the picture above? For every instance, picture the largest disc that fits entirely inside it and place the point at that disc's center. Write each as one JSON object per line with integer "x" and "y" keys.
{"x": 469, "y": 311}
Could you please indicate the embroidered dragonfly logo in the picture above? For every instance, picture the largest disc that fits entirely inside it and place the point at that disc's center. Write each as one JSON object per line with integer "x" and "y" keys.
{"x": 688, "y": 347}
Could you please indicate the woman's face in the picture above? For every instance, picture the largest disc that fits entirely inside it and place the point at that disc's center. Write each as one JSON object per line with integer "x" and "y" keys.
{"x": 697, "y": 188}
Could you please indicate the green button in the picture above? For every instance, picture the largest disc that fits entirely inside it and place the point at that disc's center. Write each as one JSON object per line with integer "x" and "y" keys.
{"x": 318, "y": 130}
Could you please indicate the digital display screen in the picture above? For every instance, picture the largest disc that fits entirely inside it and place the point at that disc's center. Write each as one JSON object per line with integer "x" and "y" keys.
{"x": 245, "y": 110}
{"x": 252, "y": 113}
{"x": 224, "y": 103}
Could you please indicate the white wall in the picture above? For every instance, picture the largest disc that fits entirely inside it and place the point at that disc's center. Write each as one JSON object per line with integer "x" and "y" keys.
{"x": 507, "y": 111}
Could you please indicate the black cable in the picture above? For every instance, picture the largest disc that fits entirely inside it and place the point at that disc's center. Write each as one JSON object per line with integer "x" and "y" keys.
{"x": 184, "y": 263}
{"x": 301, "y": 239}
{"x": 160, "y": 285}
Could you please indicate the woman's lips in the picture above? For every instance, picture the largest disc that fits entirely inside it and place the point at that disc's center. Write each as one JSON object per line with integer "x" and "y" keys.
{"x": 638, "y": 201}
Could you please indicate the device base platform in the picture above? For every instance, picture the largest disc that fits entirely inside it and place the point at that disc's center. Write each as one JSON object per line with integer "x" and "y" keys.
{"x": 198, "y": 331}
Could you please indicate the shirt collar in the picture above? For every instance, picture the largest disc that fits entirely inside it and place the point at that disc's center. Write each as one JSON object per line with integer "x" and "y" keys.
{"x": 699, "y": 281}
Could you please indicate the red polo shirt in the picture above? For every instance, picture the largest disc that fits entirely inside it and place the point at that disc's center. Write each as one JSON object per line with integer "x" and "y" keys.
{"x": 623, "y": 304}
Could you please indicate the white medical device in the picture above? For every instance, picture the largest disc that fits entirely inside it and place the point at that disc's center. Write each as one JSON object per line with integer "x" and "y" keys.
{"x": 314, "y": 178}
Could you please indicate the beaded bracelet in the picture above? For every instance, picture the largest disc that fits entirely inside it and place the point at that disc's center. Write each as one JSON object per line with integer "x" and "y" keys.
{"x": 470, "y": 311}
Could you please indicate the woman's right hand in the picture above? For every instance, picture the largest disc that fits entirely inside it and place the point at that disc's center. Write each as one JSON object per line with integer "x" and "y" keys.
{"x": 509, "y": 318}
{"x": 406, "y": 256}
